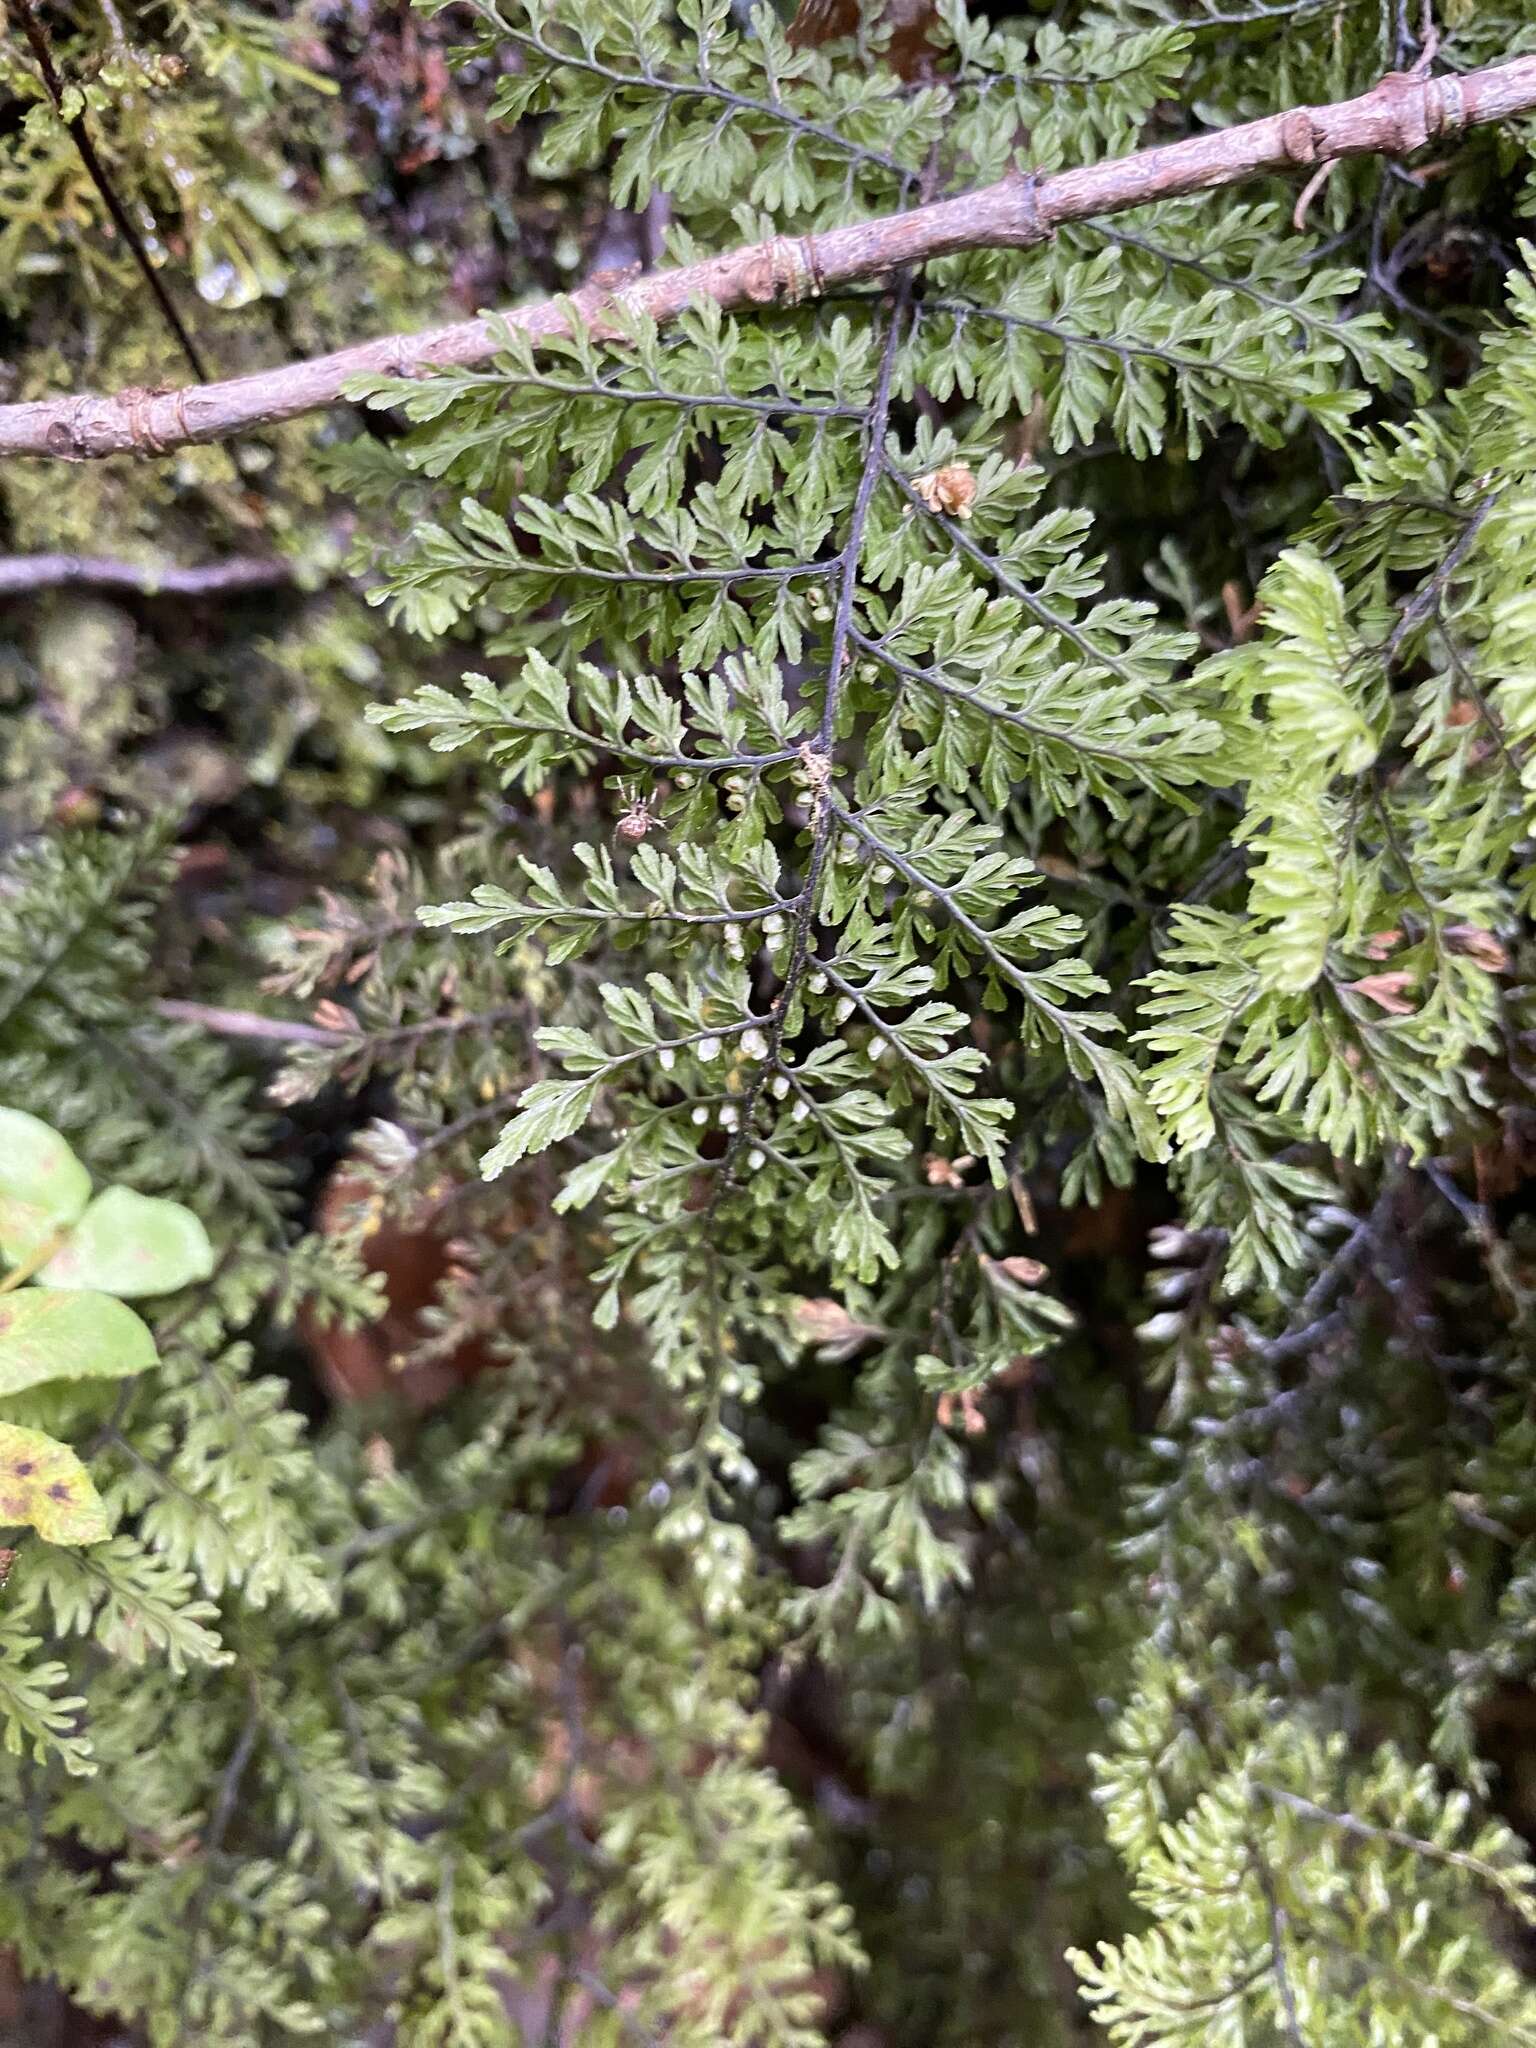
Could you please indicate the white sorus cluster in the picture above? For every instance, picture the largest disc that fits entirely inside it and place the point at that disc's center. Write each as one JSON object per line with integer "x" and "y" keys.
{"x": 1173, "y": 1241}
{"x": 1176, "y": 1285}
{"x": 772, "y": 927}
{"x": 720, "y": 1555}
{"x": 1161, "y": 1328}
{"x": 754, "y": 1044}
{"x": 684, "y": 1525}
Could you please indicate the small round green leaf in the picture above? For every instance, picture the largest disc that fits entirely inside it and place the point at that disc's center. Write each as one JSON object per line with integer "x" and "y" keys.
{"x": 64, "y": 1335}
{"x": 43, "y": 1186}
{"x": 44, "y": 1486}
{"x": 129, "y": 1244}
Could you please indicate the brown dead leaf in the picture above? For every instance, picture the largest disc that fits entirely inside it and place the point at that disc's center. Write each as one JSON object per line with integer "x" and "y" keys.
{"x": 1477, "y": 945}
{"x": 827, "y": 1324}
{"x": 1242, "y": 616}
{"x": 1027, "y": 1272}
{"x": 946, "y": 1173}
{"x": 379, "y": 1457}
{"x": 411, "y": 1254}
{"x": 951, "y": 489}
{"x": 908, "y": 51}
{"x": 966, "y": 1403}
{"x": 1387, "y": 990}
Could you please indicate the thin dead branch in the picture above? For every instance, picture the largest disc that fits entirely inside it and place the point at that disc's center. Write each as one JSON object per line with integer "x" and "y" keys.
{"x": 21, "y": 575}
{"x": 1401, "y": 114}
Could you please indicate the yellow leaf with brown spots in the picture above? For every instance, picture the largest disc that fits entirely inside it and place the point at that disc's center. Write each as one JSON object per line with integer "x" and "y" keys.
{"x": 44, "y": 1486}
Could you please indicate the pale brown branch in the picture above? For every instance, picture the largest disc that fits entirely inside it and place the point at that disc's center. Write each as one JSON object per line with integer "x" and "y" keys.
{"x": 250, "y": 1024}
{"x": 1401, "y": 114}
{"x": 20, "y": 575}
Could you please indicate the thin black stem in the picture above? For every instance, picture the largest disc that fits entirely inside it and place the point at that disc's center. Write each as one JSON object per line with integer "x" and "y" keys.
{"x": 229, "y": 1785}
{"x": 1425, "y": 601}
{"x": 96, "y": 170}
{"x": 1004, "y": 577}
{"x": 691, "y": 401}
{"x": 605, "y": 743}
{"x": 1397, "y": 1838}
{"x": 839, "y": 660}
{"x": 694, "y": 89}
{"x": 1173, "y": 259}
{"x": 962, "y": 310}
{"x": 1474, "y": 689}
{"x": 1016, "y": 976}
{"x": 746, "y": 572}
{"x": 935, "y": 680}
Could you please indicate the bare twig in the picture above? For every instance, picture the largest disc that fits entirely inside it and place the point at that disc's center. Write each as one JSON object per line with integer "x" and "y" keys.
{"x": 21, "y": 575}
{"x": 1399, "y": 115}
{"x": 250, "y": 1024}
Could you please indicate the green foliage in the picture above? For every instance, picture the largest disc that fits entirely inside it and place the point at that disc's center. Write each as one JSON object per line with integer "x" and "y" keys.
{"x": 44, "y": 1186}
{"x": 1294, "y": 1892}
{"x": 81, "y": 1255}
{"x": 904, "y": 1036}
{"x": 47, "y": 1335}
